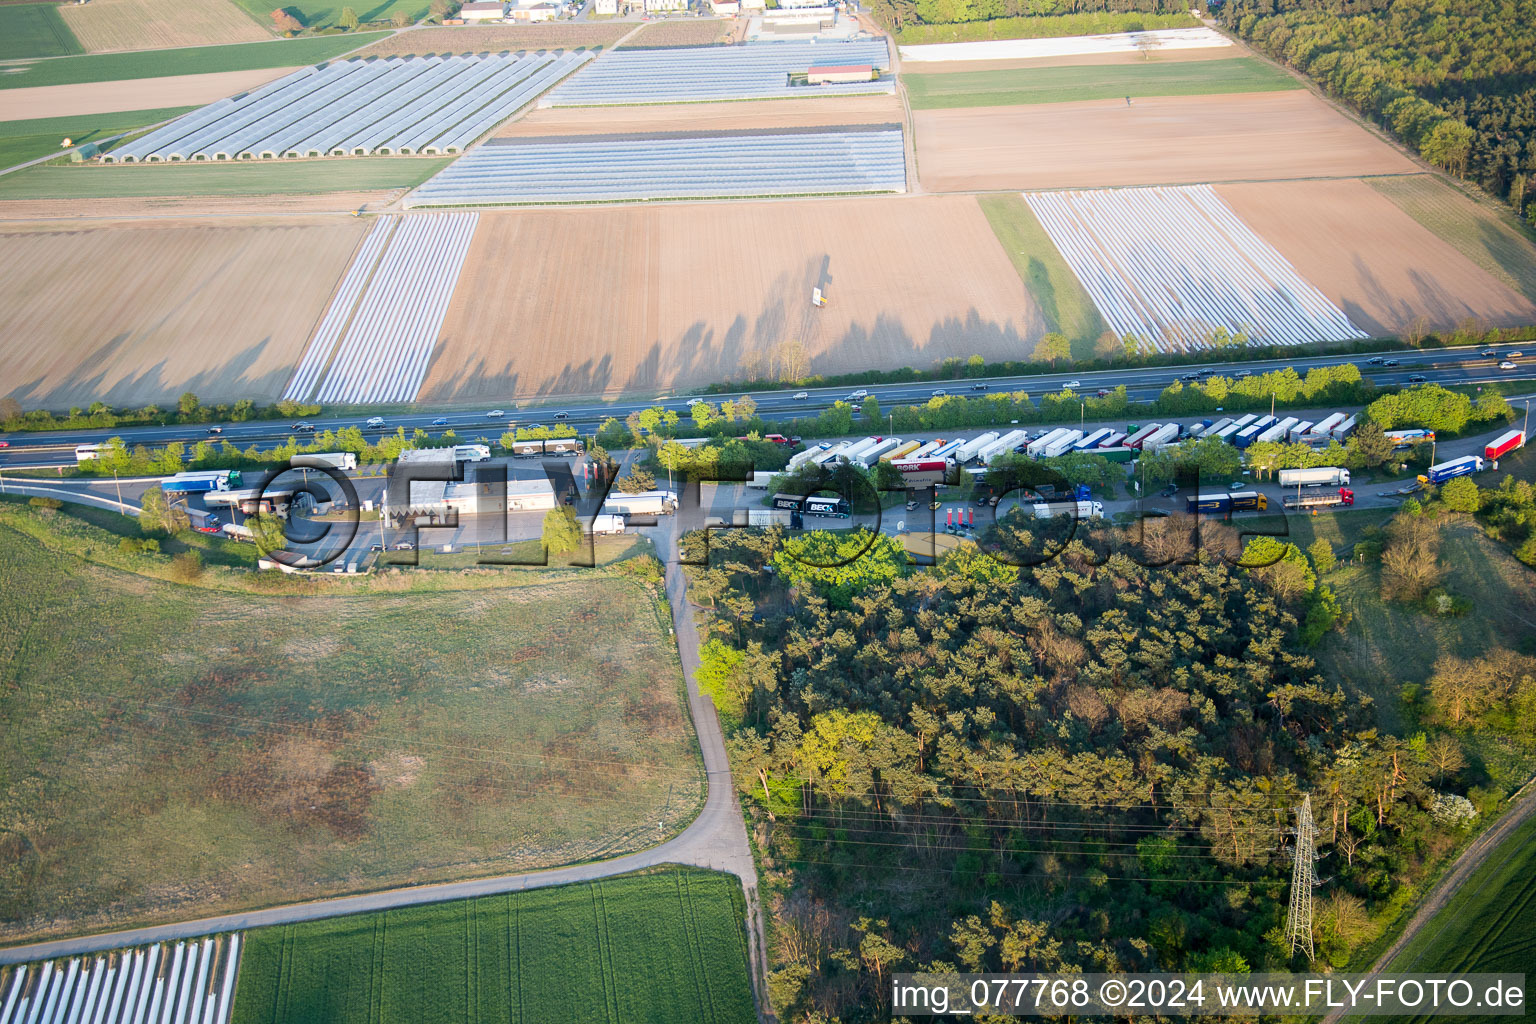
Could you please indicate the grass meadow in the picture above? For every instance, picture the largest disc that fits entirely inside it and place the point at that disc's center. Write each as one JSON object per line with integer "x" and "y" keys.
{"x": 185, "y": 60}
{"x": 35, "y": 30}
{"x": 1065, "y": 302}
{"x": 316, "y": 14}
{"x": 1094, "y": 82}
{"x": 1042, "y": 26}
{"x": 668, "y": 947}
{"x": 225, "y": 178}
{"x": 21, "y": 141}
{"x": 177, "y": 748}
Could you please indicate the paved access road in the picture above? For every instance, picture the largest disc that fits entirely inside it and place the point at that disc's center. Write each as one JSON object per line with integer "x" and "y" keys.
{"x": 1440, "y": 366}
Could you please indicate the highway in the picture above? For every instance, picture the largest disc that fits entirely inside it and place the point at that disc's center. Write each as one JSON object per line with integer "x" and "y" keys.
{"x": 1440, "y": 366}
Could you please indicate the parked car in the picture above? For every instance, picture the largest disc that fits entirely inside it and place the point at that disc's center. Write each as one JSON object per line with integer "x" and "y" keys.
{"x": 405, "y": 545}
{"x": 1507, "y": 365}
{"x": 800, "y": 396}
{"x": 1418, "y": 378}
{"x": 441, "y": 421}
{"x": 496, "y": 414}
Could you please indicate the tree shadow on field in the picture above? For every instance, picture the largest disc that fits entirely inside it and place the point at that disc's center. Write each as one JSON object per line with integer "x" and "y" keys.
{"x": 158, "y": 384}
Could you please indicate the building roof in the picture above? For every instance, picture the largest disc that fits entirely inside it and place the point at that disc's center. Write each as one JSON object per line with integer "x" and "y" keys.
{"x": 840, "y": 69}
{"x": 481, "y": 6}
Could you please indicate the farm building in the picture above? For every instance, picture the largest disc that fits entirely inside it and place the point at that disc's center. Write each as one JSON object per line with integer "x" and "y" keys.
{"x": 662, "y": 6}
{"x": 605, "y": 7}
{"x": 725, "y": 8}
{"x": 536, "y": 12}
{"x": 481, "y": 10}
{"x": 839, "y": 73}
{"x": 800, "y": 19}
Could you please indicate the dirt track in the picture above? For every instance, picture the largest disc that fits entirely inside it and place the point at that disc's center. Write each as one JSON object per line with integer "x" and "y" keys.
{"x": 1163, "y": 140}
{"x": 158, "y": 309}
{"x": 583, "y": 301}
{"x": 691, "y": 117}
{"x": 1374, "y": 261}
{"x": 136, "y": 94}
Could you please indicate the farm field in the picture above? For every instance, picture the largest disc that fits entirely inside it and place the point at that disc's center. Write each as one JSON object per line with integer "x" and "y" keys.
{"x": 265, "y": 178}
{"x": 21, "y": 141}
{"x": 1371, "y": 258}
{"x": 48, "y": 212}
{"x": 1064, "y": 303}
{"x": 1258, "y": 136}
{"x": 1171, "y": 265}
{"x": 104, "y": 25}
{"x": 1487, "y": 237}
{"x": 684, "y": 32}
{"x": 139, "y": 334}
{"x": 948, "y": 67}
{"x": 313, "y": 14}
{"x": 1081, "y": 84}
{"x": 185, "y": 91}
{"x": 34, "y": 30}
{"x": 1042, "y": 27}
{"x": 234, "y": 749}
{"x": 192, "y": 60}
{"x": 632, "y": 298}
{"x": 495, "y": 38}
{"x": 706, "y": 117}
{"x": 666, "y": 946}
{"x": 1489, "y": 924}
{"x": 1142, "y": 44}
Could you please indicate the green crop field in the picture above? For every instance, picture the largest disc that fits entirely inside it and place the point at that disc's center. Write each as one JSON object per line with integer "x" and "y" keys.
{"x": 183, "y": 748}
{"x": 21, "y": 141}
{"x": 325, "y": 13}
{"x": 1043, "y": 26}
{"x": 1065, "y": 303}
{"x": 241, "y": 178}
{"x": 1489, "y": 924}
{"x": 668, "y": 947}
{"x": 34, "y": 30}
{"x": 187, "y": 60}
{"x": 1490, "y": 238}
{"x": 1096, "y": 82}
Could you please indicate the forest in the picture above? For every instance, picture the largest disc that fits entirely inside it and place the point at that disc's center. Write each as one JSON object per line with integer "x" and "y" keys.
{"x": 1087, "y": 758}
{"x": 1453, "y": 79}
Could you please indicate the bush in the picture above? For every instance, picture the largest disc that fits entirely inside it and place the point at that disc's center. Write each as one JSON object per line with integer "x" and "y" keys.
{"x": 186, "y": 567}
{"x": 48, "y": 503}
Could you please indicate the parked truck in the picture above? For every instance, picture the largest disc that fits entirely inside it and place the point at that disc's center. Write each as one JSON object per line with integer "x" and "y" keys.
{"x": 336, "y": 460}
{"x": 1229, "y": 432}
{"x": 873, "y": 455}
{"x": 1504, "y": 444}
{"x": 199, "y": 483}
{"x": 1061, "y": 445}
{"x": 524, "y": 449}
{"x": 1136, "y": 437}
{"x": 1093, "y": 440}
{"x": 801, "y": 458}
{"x": 828, "y": 505}
{"x": 1321, "y": 476}
{"x": 1045, "y": 440}
{"x": 761, "y": 517}
{"x": 923, "y": 451}
{"x": 646, "y": 503}
{"x": 972, "y": 448}
{"x": 1119, "y": 453}
{"x": 607, "y": 524}
{"x": 1408, "y": 438}
{"x": 1079, "y": 509}
{"x": 1249, "y": 434}
{"x": 1343, "y": 430}
{"x": 1162, "y": 437}
{"x": 901, "y": 451}
{"x": 1003, "y": 445}
{"x": 1326, "y": 425}
{"x": 1319, "y": 499}
{"x": 1455, "y": 467}
{"x": 1223, "y": 502}
{"x": 1299, "y": 431}
{"x": 946, "y": 451}
{"x": 1277, "y": 431}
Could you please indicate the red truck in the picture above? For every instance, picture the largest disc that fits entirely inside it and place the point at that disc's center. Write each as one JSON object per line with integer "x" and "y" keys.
{"x": 1504, "y": 444}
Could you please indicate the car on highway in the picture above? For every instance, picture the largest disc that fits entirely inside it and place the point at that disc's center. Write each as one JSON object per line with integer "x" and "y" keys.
{"x": 405, "y": 545}
{"x": 1391, "y": 362}
{"x": 1376, "y": 360}
{"x": 535, "y": 426}
{"x": 441, "y": 421}
{"x": 1487, "y": 353}
{"x": 1418, "y": 378}
{"x": 1104, "y": 392}
{"x": 856, "y": 395}
{"x": 693, "y": 402}
{"x": 304, "y": 428}
{"x": 978, "y": 387}
{"x": 1190, "y": 376}
{"x": 1516, "y": 354}
{"x": 939, "y": 393}
{"x": 215, "y": 430}
{"x": 496, "y": 414}
{"x": 1240, "y": 374}
{"x": 5, "y": 444}
{"x": 1072, "y": 384}
{"x": 1507, "y": 365}
{"x": 562, "y": 415}
{"x": 375, "y": 421}
{"x": 799, "y": 396}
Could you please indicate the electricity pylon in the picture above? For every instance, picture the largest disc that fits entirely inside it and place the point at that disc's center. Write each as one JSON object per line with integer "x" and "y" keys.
{"x": 1298, "y": 923}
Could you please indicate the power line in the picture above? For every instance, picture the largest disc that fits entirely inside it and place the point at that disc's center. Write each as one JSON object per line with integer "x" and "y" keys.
{"x": 1298, "y": 921}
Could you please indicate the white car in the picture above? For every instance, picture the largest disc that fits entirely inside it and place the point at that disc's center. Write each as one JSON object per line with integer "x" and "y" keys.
{"x": 1073, "y": 384}
{"x": 800, "y": 396}
{"x": 376, "y": 421}
{"x": 693, "y": 402}
{"x": 940, "y": 393}
{"x": 1506, "y": 365}
{"x": 496, "y": 414}
{"x": 861, "y": 393}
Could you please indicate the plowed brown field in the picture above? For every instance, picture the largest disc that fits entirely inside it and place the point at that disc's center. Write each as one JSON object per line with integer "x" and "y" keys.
{"x": 690, "y": 117}
{"x": 586, "y": 301}
{"x": 1374, "y": 261}
{"x": 494, "y": 38}
{"x": 1164, "y": 140}
{"x": 687, "y": 32}
{"x": 154, "y": 24}
{"x": 133, "y": 94}
{"x": 141, "y": 313}
{"x": 939, "y": 67}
